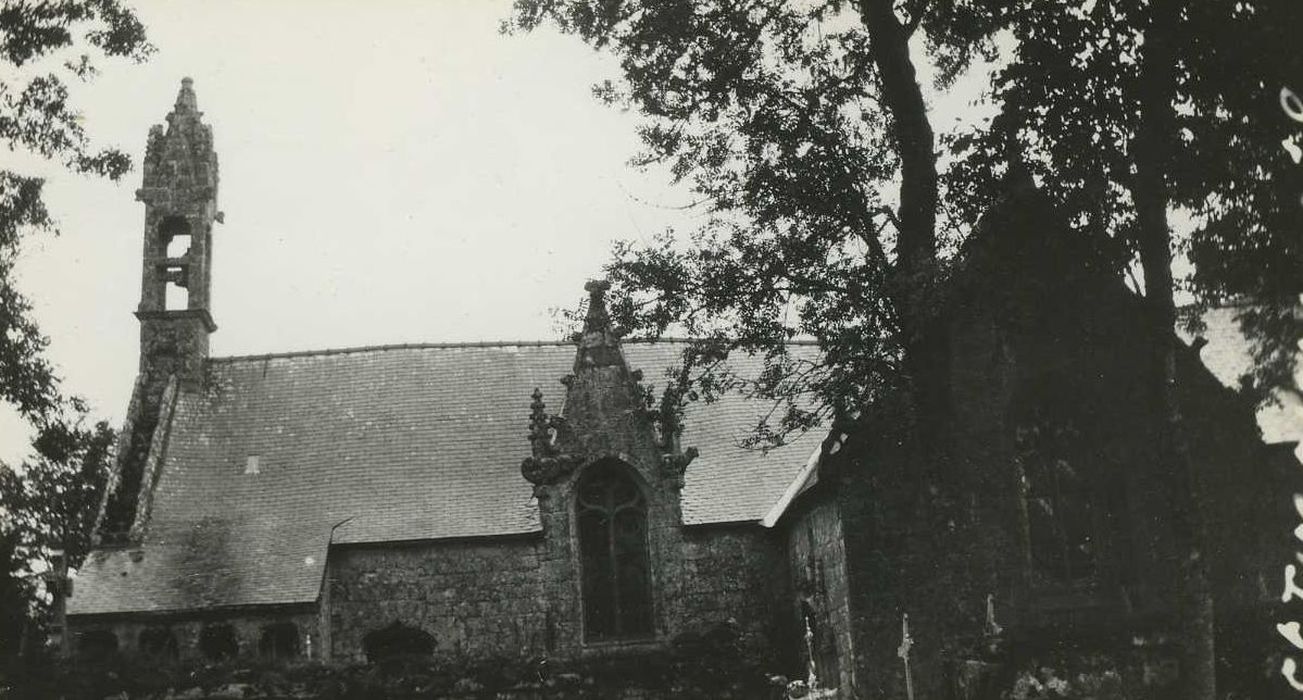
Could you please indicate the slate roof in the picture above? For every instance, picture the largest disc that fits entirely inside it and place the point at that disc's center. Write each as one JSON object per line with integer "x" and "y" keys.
{"x": 378, "y": 445}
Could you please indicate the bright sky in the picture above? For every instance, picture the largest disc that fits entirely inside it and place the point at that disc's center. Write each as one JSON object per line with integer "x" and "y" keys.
{"x": 391, "y": 172}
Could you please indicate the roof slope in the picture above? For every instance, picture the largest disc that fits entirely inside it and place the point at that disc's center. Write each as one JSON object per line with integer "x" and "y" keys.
{"x": 375, "y": 445}
{"x": 1229, "y": 356}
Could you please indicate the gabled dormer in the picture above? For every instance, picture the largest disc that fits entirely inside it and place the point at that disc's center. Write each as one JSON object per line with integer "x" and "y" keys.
{"x": 608, "y": 493}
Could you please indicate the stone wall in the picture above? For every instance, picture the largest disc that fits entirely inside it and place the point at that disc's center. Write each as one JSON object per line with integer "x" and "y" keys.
{"x": 735, "y": 573}
{"x": 937, "y": 525}
{"x": 816, "y": 558}
{"x": 487, "y": 599}
{"x": 477, "y": 599}
{"x": 248, "y": 629}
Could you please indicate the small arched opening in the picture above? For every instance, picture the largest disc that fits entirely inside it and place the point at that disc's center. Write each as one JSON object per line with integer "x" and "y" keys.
{"x": 396, "y": 641}
{"x": 218, "y": 643}
{"x": 174, "y": 231}
{"x": 159, "y": 643}
{"x": 174, "y": 234}
{"x": 97, "y": 645}
{"x": 175, "y": 296}
{"x": 279, "y": 641}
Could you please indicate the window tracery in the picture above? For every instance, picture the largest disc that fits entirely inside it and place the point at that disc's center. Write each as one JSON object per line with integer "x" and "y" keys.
{"x": 611, "y": 514}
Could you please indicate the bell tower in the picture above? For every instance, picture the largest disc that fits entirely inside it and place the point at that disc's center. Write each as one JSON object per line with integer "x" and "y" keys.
{"x": 180, "y": 196}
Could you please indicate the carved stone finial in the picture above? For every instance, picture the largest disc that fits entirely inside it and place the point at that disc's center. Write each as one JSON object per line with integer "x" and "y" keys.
{"x": 599, "y": 344}
{"x": 538, "y": 421}
{"x": 597, "y": 318}
{"x": 547, "y": 464}
{"x": 673, "y": 465}
{"x": 185, "y": 99}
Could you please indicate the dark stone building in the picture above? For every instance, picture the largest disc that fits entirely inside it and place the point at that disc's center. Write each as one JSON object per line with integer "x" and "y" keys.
{"x": 340, "y": 504}
{"x": 1030, "y": 539}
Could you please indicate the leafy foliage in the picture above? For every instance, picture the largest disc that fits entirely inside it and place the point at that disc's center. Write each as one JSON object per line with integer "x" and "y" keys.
{"x": 785, "y": 119}
{"x": 49, "y": 503}
{"x": 709, "y": 664}
{"x": 796, "y": 122}
{"x": 1072, "y": 98}
{"x": 42, "y": 42}
{"x": 803, "y": 130}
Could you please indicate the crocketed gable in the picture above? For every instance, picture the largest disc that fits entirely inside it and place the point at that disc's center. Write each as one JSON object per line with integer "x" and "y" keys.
{"x": 281, "y": 455}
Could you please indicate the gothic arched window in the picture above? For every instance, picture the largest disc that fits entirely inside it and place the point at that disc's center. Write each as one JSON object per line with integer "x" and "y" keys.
{"x": 611, "y": 512}
{"x": 1062, "y": 508}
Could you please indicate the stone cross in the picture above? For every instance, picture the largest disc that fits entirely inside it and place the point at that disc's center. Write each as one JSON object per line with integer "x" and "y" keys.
{"x": 903, "y": 652}
{"x": 992, "y": 627}
{"x": 809, "y": 650}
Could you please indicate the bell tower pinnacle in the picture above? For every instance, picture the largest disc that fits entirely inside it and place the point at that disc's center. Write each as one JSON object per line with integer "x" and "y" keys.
{"x": 180, "y": 196}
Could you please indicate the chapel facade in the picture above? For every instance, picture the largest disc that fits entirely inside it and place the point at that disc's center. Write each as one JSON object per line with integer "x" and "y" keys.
{"x": 482, "y": 501}
{"x": 470, "y": 501}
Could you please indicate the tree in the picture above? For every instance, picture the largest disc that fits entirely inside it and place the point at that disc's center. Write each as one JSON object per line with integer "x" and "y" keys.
{"x": 45, "y": 43}
{"x": 45, "y": 504}
{"x": 804, "y": 129}
{"x": 48, "y": 503}
{"x": 1131, "y": 111}
{"x": 794, "y": 123}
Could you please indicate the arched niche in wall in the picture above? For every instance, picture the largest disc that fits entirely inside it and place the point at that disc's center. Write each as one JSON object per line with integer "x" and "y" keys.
{"x": 397, "y": 640}
{"x": 218, "y": 642}
{"x": 97, "y": 645}
{"x": 279, "y": 641}
{"x": 159, "y": 643}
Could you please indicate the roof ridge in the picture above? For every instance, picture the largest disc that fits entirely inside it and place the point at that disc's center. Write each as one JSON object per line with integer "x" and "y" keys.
{"x": 393, "y": 346}
{"x": 449, "y": 346}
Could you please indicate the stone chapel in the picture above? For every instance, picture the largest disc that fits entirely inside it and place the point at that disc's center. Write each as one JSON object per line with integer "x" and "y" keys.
{"x": 488, "y": 498}
{"x": 517, "y": 500}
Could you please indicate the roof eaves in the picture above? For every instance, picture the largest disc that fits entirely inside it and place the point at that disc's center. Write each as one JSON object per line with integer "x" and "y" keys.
{"x": 214, "y": 610}
{"x": 776, "y": 512}
{"x": 533, "y": 533}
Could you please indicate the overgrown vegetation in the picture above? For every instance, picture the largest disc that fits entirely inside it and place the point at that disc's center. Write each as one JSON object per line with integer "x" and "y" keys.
{"x": 45, "y": 503}
{"x": 709, "y": 665}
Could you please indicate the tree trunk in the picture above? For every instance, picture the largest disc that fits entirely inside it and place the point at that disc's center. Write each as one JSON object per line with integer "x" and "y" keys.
{"x": 913, "y": 289}
{"x": 914, "y": 279}
{"x": 1154, "y": 138}
{"x": 912, "y": 131}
